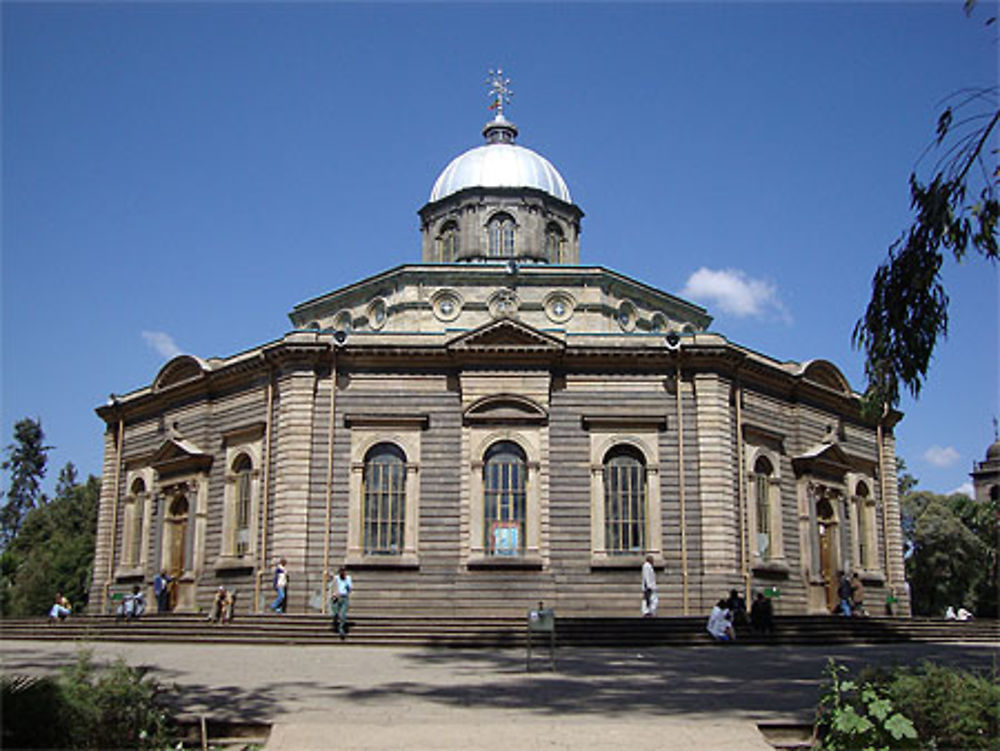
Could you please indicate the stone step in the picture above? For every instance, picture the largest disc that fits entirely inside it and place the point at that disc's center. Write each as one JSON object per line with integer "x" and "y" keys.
{"x": 493, "y": 632}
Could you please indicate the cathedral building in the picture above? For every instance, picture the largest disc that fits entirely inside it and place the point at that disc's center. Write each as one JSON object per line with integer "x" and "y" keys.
{"x": 496, "y": 425}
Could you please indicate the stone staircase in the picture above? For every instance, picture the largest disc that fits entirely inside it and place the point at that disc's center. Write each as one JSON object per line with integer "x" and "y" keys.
{"x": 495, "y": 632}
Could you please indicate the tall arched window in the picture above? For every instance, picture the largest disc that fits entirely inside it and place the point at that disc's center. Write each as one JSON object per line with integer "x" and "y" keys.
{"x": 243, "y": 469}
{"x": 553, "y": 242}
{"x": 762, "y": 471}
{"x": 624, "y": 501}
{"x": 384, "y": 508}
{"x": 448, "y": 246}
{"x": 504, "y": 498}
{"x": 861, "y": 494}
{"x": 500, "y": 236}
{"x": 134, "y": 513}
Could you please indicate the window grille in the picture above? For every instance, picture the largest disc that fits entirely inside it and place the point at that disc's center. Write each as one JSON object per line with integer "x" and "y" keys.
{"x": 384, "y": 511}
{"x": 504, "y": 498}
{"x": 624, "y": 501}
{"x": 136, "y": 510}
{"x": 861, "y": 508}
{"x": 762, "y": 486}
{"x": 449, "y": 242}
{"x": 500, "y": 236}
{"x": 244, "y": 469}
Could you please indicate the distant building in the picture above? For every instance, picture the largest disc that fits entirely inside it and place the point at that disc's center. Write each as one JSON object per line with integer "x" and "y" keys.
{"x": 495, "y": 426}
{"x": 986, "y": 474}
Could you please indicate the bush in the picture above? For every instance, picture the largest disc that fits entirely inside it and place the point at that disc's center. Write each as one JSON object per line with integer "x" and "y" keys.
{"x": 951, "y": 709}
{"x": 930, "y": 707}
{"x": 86, "y": 709}
{"x": 860, "y": 715}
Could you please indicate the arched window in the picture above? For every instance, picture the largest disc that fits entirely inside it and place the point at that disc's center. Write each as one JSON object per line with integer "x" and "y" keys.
{"x": 762, "y": 472}
{"x": 861, "y": 494}
{"x": 553, "y": 242}
{"x": 500, "y": 236}
{"x": 624, "y": 501}
{"x": 504, "y": 498}
{"x": 384, "y": 507}
{"x": 448, "y": 246}
{"x": 243, "y": 470}
{"x": 134, "y": 513}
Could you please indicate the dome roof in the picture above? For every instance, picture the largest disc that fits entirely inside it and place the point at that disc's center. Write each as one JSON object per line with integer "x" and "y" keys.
{"x": 500, "y": 163}
{"x": 993, "y": 451}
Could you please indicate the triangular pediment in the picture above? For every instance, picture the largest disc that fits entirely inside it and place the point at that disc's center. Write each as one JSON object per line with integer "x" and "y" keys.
{"x": 826, "y": 459}
{"x": 506, "y": 335}
{"x": 178, "y": 455}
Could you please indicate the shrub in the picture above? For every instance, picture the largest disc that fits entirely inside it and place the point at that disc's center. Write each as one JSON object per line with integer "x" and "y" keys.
{"x": 86, "y": 709}
{"x": 854, "y": 715}
{"x": 951, "y": 708}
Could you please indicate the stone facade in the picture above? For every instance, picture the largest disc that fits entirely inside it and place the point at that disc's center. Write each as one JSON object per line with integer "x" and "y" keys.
{"x": 472, "y": 438}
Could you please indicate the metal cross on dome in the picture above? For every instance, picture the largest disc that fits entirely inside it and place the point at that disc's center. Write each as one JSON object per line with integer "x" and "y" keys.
{"x": 500, "y": 91}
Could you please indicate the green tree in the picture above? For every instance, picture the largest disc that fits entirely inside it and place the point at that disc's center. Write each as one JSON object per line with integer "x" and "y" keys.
{"x": 53, "y": 549}
{"x": 956, "y": 211}
{"x": 25, "y": 461}
{"x": 946, "y": 559}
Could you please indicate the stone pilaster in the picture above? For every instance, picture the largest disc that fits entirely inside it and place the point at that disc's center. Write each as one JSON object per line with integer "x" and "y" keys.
{"x": 292, "y": 445}
{"x": 893, "y": 533}
{"x": 719, "y": 529}
{"x": 105, "y": 541}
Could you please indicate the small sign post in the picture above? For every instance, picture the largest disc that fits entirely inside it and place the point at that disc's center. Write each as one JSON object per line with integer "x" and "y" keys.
{"x": 542, "y": 621}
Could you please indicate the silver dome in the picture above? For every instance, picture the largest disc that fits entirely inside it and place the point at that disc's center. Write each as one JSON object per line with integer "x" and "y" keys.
{"x": 500, "y": 165}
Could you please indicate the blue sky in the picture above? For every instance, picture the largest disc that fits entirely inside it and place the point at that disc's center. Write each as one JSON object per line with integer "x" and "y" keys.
{"x": 176, "y": 177}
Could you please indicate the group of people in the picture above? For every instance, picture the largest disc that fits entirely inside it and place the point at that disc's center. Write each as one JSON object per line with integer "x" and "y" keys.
{"x": 222, "y": 606}
{"x": 338, "y": 595}
{"x": 727, "y": 614}
{"x": 851, "y": 595}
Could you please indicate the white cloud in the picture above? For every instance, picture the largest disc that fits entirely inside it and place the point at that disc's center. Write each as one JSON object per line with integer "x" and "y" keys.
{"x": 965, "y": 488}
{"x": 735, "y": 293}
{"x": 941, "y": 457}
{"x": 161, "y": 343}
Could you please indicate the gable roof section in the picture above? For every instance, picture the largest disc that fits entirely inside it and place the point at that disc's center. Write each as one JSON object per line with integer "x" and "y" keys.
{"x": 178, "y": 455}
{"x": 506, "y": 336}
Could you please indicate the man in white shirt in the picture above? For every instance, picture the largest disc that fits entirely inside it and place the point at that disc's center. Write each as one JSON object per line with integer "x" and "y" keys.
{"x": 719, "y": 624}
{"x": 340, "y": 597}
{"x": 650, "y": 599}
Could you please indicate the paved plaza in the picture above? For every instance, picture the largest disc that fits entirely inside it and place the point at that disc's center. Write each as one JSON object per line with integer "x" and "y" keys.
{"x": 373, "y": 698}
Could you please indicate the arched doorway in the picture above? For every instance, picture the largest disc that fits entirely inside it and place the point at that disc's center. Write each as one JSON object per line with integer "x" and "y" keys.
{"x": 175, "y": 544}
{"x": 826, "y": 528}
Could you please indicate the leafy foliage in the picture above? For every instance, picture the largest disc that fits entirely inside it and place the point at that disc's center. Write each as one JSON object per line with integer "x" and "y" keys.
{"x": 860, "y": 716}
{"x": 950, "y": 708}
{"x": 53, "y": 550}
{"x": 26, "y": 460}
{"x": 85, "y": 708}
{"x": 951, "y": 553}
{"x": 908, "y": 310}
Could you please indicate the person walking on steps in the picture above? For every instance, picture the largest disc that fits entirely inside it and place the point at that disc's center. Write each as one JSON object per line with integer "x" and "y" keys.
{"x": 280, "y": 587}
{"x": 340, "y": 600}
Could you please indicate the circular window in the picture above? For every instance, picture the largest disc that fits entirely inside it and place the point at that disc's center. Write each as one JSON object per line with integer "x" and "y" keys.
{"x": 377, "y": 313}
{"x": 559, "y": 307}
{"x": 343, "y": 321}
{"x": 659, "y": 323}
{"x": 446, "y": 304}
{"x": 626, "y": 315}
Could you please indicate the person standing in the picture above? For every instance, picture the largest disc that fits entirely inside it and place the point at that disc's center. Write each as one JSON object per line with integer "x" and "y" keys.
{"x": 857, "y": 595}
{"x": 161, "y": 589}
{"x": 845, "y": 593}
{"x": 650, "y": 598}
{"x": 340, "y": 600}
{"x": 280, "y": 586}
